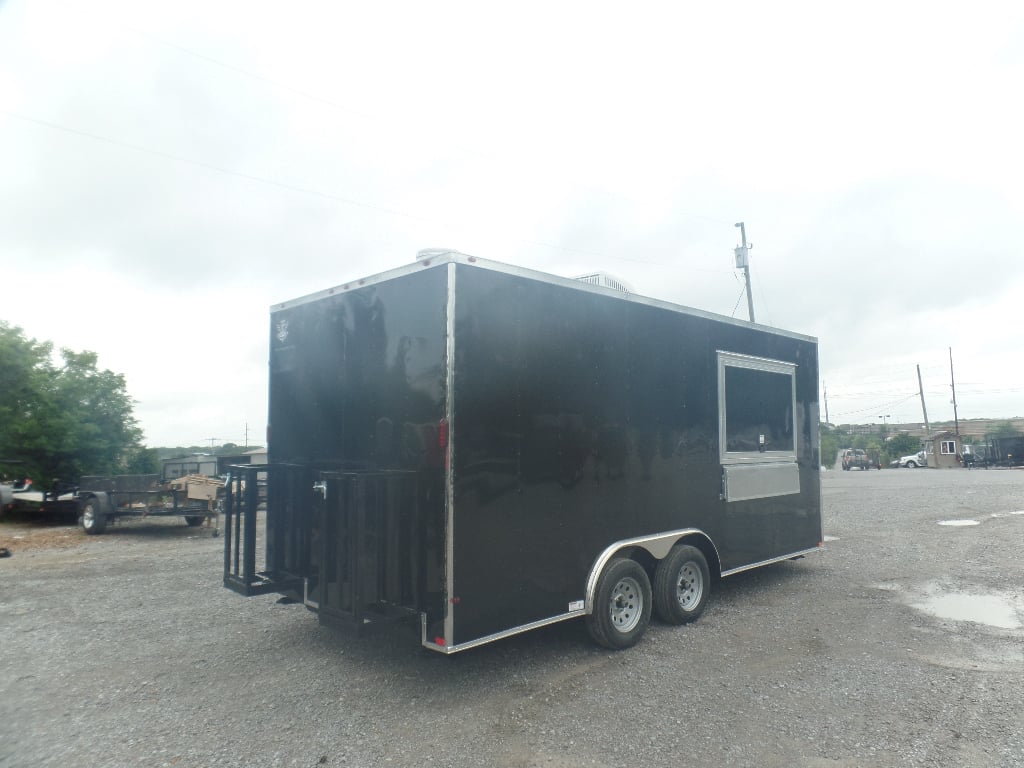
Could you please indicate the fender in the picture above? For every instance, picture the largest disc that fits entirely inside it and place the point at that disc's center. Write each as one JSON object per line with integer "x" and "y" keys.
{"x": 657, "y": 545}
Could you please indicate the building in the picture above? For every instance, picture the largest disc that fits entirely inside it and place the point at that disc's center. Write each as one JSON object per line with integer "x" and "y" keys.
{"x": 196, "y": 464}
{"x": 255, "y": 456}
{"x": 945, "y": 450}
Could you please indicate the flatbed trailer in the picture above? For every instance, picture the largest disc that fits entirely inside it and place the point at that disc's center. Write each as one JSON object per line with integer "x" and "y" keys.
{"x": 103, "y": 501}
{"x": 484, "y": 450}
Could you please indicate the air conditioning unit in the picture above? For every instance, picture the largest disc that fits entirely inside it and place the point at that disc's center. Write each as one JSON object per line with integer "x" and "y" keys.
{"x": 605, "y": 281}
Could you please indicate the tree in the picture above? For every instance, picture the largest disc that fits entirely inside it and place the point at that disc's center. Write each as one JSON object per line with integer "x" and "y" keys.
{"x": 1001, "y": 429}
{"x": 62, "y": 421}
{"x": 829, "y": 445}
{"x": 142, "y": 461}
{"x": 903, "y": 444}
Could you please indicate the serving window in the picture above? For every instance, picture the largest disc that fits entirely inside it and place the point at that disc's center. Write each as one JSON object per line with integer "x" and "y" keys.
{"x": 757, "y": 409}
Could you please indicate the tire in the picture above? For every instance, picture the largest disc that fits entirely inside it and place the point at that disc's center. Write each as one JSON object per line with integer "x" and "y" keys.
{"x": 911, "y": 465}
{"x": 622, "y": 605}
{"x": 194, "y": 520}
{"x": 93, "y": 520}
{"x": 682, "y": 584}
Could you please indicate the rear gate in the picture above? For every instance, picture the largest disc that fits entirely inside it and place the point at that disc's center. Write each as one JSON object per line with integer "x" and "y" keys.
{"x": 354, "y": 546}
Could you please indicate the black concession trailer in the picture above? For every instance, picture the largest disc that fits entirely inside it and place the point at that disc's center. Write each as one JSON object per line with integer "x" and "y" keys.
{"x": 486, "y": 450}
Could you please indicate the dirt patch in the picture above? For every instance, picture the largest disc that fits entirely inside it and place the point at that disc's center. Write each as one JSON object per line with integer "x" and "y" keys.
{"x": 22, "y": 532}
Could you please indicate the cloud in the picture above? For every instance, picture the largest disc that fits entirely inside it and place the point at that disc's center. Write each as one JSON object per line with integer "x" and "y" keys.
{"x": 174, "y": 170}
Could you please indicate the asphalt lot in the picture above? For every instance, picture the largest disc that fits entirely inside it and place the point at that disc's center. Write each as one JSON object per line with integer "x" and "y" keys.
{"x": 900, "y": 645}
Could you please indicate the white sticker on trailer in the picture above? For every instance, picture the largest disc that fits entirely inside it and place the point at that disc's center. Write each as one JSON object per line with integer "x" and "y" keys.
{"x": 576, "y": 605}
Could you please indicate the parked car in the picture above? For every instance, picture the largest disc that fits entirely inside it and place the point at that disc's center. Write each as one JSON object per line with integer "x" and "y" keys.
{"x": 858, "y": 457}
{"x": 912, "y": 461}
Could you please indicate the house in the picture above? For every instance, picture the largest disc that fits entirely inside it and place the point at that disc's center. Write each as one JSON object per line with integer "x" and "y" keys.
{"x": 255, "y": 456}
{"x": 196, "y": 464}
{"x": 944, "y": 450}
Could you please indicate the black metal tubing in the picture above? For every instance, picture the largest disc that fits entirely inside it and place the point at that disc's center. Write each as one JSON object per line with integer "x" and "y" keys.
{"x": 241, "y": 508}
{"x": 369, "y": 547}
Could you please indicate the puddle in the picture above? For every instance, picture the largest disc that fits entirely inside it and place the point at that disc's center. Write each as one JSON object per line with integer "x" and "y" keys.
{"x": 993, "y": 610}
{"x": 993, "y": 516}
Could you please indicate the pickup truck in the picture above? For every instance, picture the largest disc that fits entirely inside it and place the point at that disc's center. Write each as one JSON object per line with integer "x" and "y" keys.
{"x": 858, "y": 457}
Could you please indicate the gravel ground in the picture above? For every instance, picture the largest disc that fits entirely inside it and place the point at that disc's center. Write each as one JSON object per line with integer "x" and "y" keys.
{"x": 125, "y": 650}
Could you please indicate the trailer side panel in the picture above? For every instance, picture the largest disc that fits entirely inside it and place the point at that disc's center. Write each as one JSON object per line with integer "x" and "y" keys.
{"x": 582, "y": 418}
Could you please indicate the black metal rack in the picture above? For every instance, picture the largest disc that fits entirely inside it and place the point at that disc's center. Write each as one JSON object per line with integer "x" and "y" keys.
{"x": 346, "y": 543}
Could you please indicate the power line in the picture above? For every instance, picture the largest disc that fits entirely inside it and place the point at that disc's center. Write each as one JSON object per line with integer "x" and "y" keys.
{"x": 306, "y": 190}
{"x": 279, "y": 84}
{"x": 878, "y": 406}
{"x": 248, "y": 73}
{"x": 363, "y": 115}
{"x": 739, "y": 298}
{"x": 207, "y": 166}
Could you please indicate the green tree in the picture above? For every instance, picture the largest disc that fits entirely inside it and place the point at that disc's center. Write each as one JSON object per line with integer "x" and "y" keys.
{"x": 830, "y": 440}
{"x": 1001, "y": 429}
{"x": 902, "y": 444}
{"x": 142, "y": 461}
{"x": 63, "y": 421}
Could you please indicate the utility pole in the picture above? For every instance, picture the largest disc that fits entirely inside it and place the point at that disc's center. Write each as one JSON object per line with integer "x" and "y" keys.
{"x": 743, "y": 262}
{"x": 920, "y": 387}
{"x": 952, "y": 383}
{"x": 825, "y": 385}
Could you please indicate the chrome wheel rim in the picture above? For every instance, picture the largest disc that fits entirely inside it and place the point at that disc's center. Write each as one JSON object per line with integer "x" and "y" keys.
{"x": 689, "y": 586}
{"x": 89, "y": 517}
{"x": 626, "y": 604}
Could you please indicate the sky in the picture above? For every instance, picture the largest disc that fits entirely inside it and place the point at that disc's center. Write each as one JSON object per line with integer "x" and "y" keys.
{"x": 168, "y": 171}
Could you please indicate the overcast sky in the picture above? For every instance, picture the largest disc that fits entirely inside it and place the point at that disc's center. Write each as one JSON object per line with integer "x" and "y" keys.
{"x": 169, "y": 171}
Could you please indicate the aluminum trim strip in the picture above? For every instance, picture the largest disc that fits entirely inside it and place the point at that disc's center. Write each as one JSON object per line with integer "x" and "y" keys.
{"x": 449, "y": 484}
{"x": 305, "y": 595}
{"x": 779, "y": 559}
{"x": 636, "y": 298}
{"x": 543, "y": 277}
{"x": 423, "y": 635}
{"x": 657, "y": 544}
{"x": 450, "y": 649}
{"x": 749, "y": 362}
{"x": 359, "y": 282}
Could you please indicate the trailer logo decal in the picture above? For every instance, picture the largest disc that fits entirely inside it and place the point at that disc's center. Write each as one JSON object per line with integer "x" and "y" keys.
{"x": 282, "y": 331}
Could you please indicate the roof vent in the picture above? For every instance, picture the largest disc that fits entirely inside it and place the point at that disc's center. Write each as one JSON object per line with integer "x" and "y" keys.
{"x": 436, "y": 253}
{"x": 605, "y": 281}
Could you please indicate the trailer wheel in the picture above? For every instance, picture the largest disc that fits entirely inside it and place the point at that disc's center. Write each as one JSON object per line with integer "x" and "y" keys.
{"x": 94, "y": 521}
{"x": 193, "y": 520}
{"x": 622, "y": 605}
{"x": 682, "y": 583}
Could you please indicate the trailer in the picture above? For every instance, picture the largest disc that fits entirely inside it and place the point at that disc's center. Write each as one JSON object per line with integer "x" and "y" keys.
{"x": 1006, "y": 451}
{"x": 105, "y": 500}
{"x": 483, "y": 450}
{"x": 22, "y": 494}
